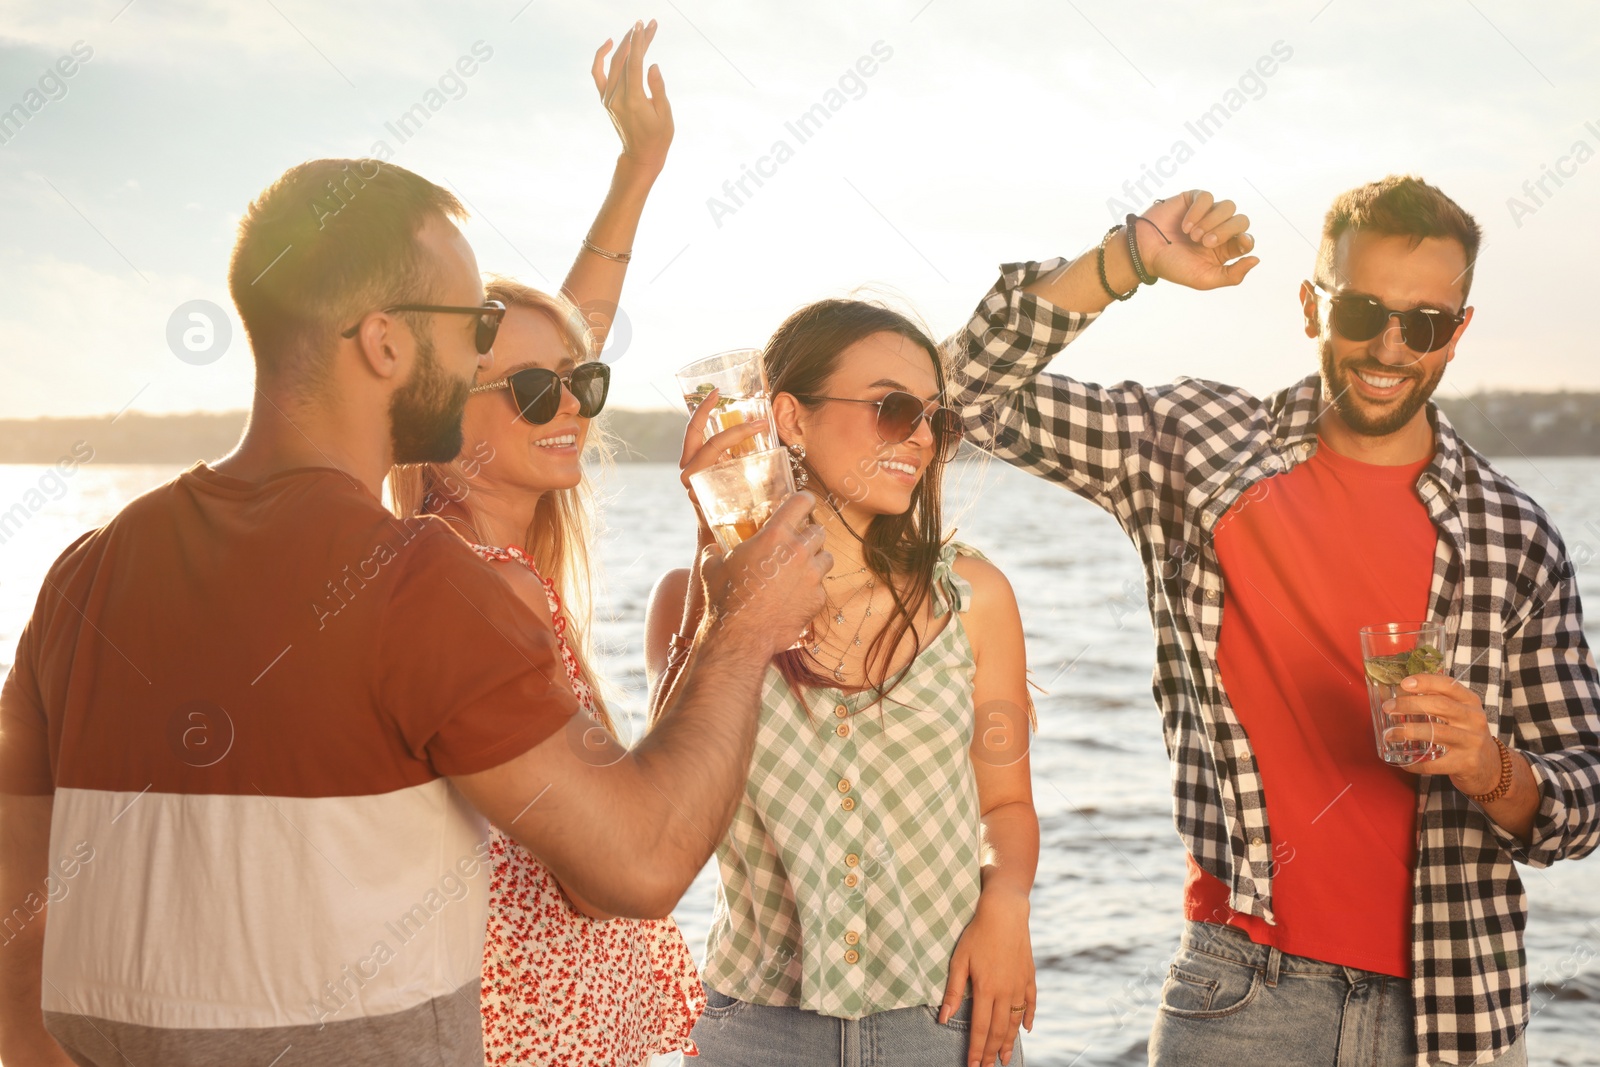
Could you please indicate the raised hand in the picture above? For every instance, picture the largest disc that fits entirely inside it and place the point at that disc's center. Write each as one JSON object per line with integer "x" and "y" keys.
{"x": 1208, "y": 239}
{"x": 643, "y": 122}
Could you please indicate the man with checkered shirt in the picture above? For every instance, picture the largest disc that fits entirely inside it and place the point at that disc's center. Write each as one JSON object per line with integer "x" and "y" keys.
{"x": 1339, "y": 909}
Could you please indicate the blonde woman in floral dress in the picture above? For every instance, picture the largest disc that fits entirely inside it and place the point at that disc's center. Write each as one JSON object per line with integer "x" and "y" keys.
{"x": 563, "y": 982}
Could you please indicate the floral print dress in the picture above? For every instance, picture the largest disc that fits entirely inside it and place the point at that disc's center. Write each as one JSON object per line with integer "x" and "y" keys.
{"x": 560, "y": 987}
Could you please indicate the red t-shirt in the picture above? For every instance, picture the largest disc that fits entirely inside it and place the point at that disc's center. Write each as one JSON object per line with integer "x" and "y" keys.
{"x": 246, "y": 701}
{"x": 1308, "y": 558}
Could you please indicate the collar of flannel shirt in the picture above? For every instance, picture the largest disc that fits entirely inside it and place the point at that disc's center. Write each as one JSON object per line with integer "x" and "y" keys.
{"x": 1295, "y": 424}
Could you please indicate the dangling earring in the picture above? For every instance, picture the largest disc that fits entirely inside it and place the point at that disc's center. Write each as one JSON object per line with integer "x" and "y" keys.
{"x": 797, "y": 454}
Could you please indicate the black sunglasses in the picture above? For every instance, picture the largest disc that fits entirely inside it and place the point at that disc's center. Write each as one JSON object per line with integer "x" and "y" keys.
{"x": 489, "y": 316}
{"x": 537, "y": 390}
{"x": 1361, "y": 318}
{"x": 899, "y": 415}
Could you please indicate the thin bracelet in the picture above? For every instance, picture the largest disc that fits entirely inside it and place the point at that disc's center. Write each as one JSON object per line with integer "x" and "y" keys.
{"x": 618, "y": 257}
{"x": 1100, "y": 263}
{"x": 1133, "y": 248}
{"x": 678, "y": 647}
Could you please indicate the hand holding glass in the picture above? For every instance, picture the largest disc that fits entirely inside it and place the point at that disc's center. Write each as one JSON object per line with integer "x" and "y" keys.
{"x": 1390, "y": 653}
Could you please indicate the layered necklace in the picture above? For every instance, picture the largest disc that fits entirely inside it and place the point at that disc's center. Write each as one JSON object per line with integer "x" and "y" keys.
{"x": 868, "y": 587}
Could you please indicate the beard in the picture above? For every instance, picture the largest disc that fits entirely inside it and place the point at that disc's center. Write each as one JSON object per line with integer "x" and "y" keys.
{"x": 425, "y": 413}
{"x": 1363, "y": 416}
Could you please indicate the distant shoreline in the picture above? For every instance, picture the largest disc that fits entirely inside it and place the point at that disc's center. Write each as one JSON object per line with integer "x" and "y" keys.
{"x": 1535, "y": 425}
{"x": 643, "y": 436}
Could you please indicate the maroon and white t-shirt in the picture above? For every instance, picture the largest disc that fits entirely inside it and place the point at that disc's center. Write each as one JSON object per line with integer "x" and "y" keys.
{"x": 246, "y": 698}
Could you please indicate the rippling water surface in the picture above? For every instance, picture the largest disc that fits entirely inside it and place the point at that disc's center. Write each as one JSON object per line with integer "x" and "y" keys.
{"x": 1107, "y": 903}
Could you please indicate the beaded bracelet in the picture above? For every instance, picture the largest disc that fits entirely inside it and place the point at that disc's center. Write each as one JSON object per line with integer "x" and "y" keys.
{"x": 1504, "y": 785}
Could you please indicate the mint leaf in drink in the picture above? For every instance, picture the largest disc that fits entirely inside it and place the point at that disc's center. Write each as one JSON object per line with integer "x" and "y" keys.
{"x": 1393, "y": 669}
{"x": 1387, "y": 670}
{"x": 1424, "y": 659}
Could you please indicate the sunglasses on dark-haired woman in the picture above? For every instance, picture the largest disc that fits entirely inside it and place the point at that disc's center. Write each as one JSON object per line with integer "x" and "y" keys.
{"x": 536, "y": 391}
{"x": 899, "y": 415}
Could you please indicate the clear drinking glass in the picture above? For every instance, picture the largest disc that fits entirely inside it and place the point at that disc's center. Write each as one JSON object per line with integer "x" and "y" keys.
{"x": 1391, "y": 652}
{"x": 739, "y": 495}
{"x": 742, "y": 396}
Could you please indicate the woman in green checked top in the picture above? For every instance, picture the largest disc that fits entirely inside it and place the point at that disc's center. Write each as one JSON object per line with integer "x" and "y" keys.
{"x": 875, "y": 878}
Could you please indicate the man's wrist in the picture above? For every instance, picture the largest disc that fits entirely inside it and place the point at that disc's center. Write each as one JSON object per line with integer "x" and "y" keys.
{"x": 723, "y": 642}
{"x": 1120, "y": 274}
{"x": 1500, "y": 769}
{"x": 1151, "y": 244}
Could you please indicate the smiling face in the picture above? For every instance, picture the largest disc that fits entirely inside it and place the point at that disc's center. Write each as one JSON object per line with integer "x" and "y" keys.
{"x": 527, "y": 458}
{"x": 1378, "y": 387}
{"x": 868, "y": 476}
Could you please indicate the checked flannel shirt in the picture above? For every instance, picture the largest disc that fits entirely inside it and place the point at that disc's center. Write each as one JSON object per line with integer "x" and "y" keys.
{"x": 1168, "y": 461}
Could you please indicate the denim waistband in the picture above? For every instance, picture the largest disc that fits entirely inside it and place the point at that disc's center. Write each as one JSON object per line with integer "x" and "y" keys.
{"x": 1232, "y": 943}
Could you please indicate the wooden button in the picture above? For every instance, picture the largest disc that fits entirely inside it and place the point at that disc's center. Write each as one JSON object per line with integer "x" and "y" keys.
{"x": 840, "y": 711}
{"x": 851, "y": 955}
{"x": 843, "y": 729}
{"x": 851, "y": 860}
{"x": 851, "y": 879}
{"x": 851, "y": 937}
{"x": 844, "y": 785}
{"x": 848, "y": 803}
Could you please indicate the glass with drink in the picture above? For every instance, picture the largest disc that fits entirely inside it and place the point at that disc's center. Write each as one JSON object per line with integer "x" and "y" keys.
{"x": 742, "y": 397}
{"x": 1390, "y": 653}
{"x": 738, "y": 495}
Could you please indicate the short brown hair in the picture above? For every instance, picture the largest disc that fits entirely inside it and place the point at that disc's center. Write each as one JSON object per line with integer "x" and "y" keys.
{"x": 330, "y": 240}
{"x": 1401, "y": 206}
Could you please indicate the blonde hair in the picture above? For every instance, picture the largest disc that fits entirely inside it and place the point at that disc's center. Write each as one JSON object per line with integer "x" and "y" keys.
{"x": 562, "y": 529}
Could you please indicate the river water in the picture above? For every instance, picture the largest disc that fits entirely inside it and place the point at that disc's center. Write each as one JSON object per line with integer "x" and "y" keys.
{"x": 1107, "y": 901}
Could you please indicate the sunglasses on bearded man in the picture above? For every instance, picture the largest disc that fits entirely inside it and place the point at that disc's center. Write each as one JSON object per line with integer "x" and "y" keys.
{"x": 1361, "y": 318}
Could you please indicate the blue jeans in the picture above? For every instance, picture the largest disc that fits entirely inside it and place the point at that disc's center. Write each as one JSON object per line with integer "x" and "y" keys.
{"x": 1229, "y": 1002}
{"x": 736, "y": 1033}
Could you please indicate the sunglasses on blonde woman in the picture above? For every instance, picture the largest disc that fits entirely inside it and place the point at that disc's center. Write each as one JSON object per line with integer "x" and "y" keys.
{"x": 537, "y": 390}
{"x": 899, "y": 415}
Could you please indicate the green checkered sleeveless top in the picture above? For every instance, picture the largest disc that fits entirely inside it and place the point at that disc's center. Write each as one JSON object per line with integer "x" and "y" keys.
{"x": 852, "y": 864}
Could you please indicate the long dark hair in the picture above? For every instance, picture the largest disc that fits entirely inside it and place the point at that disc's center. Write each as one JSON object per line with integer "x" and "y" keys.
{"x": 799, "y": 359}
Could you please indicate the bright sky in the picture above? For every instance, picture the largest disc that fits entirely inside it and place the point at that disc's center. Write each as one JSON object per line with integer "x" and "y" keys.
{"x": 987, "y": 132}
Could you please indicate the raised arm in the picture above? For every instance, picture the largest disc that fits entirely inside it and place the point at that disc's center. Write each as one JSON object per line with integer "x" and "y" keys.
{"x": 1079, "y": 433}
{"x": 628, "y": 829}
{"x": 1191, "y": 240}
{"x": 644, "y": 123}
